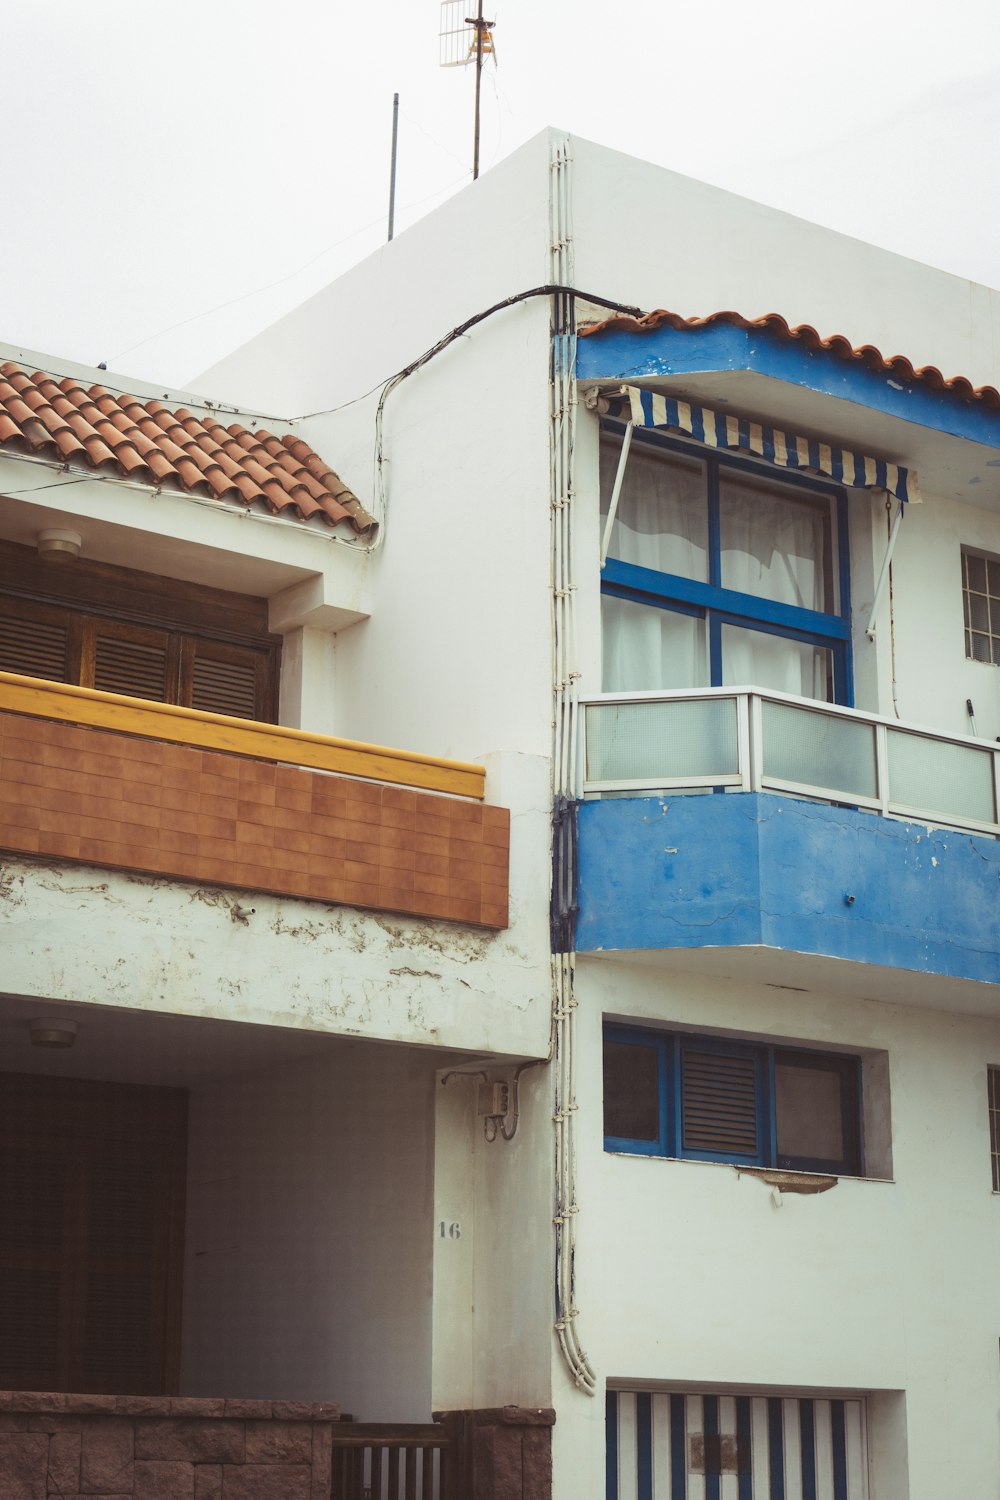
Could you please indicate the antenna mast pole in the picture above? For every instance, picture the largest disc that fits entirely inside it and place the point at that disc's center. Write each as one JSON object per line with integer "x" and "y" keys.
{"x": 479, "y": 23}
{"x": 392, "y": 164}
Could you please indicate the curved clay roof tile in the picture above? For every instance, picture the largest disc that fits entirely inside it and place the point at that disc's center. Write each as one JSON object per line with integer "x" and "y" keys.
{"x": 68, "y": 443}
{"x": 10, "y": 432}
{"x": 247, "y": 488}
{"x": 118, "y": 433}
{"x": 100, "y": 455}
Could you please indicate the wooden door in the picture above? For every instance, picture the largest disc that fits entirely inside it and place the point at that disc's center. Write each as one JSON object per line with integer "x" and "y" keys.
{"x": 91, "y": 1227}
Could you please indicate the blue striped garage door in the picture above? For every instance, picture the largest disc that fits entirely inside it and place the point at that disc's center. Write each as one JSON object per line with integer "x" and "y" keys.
{"x": 671, "y": 1446}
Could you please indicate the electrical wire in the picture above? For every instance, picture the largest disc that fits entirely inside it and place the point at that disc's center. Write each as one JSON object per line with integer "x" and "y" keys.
{"x": 434, "y": 140}
{"x": 386, "y": 387}
{"x": 281, "y": 280}
{"x": 550, "y": 289}
{"x": 383, "y": 384}
{"x": 55, "y": 485}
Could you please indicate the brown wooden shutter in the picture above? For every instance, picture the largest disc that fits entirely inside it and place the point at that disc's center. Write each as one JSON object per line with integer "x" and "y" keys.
{"x": 122, "y": 1348}
{"x": 91, "y": 1207}
{"x": 223, "y": 679}
{"x": 34, "y": 1182}
{"x": 137, "y": 634}
{"x": 33, "y": 640}
{"x": 127, "y": 659}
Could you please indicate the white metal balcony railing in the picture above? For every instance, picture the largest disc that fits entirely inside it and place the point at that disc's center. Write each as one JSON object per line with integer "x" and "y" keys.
{"x": 745, "y": 739}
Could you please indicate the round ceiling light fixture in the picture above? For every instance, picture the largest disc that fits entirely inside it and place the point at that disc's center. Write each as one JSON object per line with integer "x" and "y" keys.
{"x": 57, "y": 545}
{"x": 52, "y": 1031}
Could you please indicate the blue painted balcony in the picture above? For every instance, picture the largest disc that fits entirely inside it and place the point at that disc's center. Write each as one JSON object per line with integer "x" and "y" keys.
{"x": 729, "y": 819}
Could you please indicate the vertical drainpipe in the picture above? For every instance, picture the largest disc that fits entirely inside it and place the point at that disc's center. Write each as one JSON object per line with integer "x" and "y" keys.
{"x": 562, "y": 416}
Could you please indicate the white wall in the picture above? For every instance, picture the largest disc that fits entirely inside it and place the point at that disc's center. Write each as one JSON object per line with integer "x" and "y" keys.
{"x": 934, "y": 677}
{"x": 688, "y": 1273}
{"x": 385, "y": 312}
{"x": 493, "y": 1281}
{"x": 457, "y": 646}
{"x": 454, "y": 660}
{"x": 309, "y": 1233}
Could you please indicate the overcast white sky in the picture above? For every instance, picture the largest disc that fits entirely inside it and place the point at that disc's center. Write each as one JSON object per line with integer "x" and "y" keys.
{"x": 179, "y": 175}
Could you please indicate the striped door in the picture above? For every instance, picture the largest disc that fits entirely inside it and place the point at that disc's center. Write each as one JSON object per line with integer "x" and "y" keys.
{"x": 664, "y": 1446}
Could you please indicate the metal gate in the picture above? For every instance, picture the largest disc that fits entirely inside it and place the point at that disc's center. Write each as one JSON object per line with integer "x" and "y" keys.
{"x": 670, "y": 1446}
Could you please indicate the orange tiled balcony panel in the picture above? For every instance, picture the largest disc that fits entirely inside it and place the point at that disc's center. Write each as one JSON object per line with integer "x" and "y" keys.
{"x": 81, "y": 792}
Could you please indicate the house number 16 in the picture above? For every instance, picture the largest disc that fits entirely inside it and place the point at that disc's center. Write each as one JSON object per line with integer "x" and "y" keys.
{"x": 452, "y": 1231}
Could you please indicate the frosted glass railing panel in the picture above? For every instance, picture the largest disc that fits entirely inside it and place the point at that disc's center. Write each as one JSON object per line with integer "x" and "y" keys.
{"x": 939, "y": 778}
{"x": 663, "y": 740}
{"x": 820, "y": 750}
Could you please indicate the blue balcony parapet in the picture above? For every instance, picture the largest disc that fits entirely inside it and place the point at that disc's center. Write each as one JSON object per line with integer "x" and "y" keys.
{"x": 740, "y": 869}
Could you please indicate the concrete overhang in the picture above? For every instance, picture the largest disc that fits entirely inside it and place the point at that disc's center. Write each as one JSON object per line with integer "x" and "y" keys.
{"x": 951, "y": 441}
{"x": 809, "y": 973}
{"x": 322, "y": 581}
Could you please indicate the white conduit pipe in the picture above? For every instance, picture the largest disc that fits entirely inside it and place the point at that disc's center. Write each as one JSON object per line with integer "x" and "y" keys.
{"x": 562, "y": 409}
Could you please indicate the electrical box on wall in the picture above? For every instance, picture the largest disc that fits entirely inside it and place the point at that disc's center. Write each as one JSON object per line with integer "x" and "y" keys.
{"x": 494, "y": 1099}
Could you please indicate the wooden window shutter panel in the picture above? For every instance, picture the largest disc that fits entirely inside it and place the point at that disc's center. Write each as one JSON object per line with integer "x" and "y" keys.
{"x": 124, "y": 1295}
{"x": 228, "y": 679}
{"x": 129, "y": 659}
{"x": 34, "y": 1180}
{"x": 92, "y": 1182}
{"x": 138, "y": 635}
{"x": 34, "y": 641}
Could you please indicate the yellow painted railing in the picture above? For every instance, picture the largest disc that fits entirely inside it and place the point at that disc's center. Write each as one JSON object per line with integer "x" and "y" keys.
{"x": 189, "y": 726}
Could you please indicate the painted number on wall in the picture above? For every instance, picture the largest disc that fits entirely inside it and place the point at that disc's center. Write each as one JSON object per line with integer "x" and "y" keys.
{"x": 452, "y": 1231}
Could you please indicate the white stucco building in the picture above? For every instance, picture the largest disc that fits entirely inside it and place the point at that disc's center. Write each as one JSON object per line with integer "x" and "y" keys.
{"x": 686, "y": 546}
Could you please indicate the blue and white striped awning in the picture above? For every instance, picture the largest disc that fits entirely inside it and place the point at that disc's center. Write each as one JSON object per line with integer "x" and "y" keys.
{"x": 720, "y": 430}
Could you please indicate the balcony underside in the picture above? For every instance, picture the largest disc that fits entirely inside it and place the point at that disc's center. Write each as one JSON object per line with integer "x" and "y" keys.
{"x": 812, "y": 891}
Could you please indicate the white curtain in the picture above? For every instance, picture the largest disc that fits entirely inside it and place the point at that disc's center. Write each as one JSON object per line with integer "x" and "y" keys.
{"x": 661, "y": 523}
{"x": 752, "y": 658}
{"x": 772, "y": 546}
{"x": 662, "y": 517}
{"x": 645, "y": 648}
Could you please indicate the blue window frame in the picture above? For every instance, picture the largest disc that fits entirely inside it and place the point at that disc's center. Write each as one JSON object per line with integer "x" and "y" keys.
{"x": 682, "y": 1095}
{"x": 827, "y": 630}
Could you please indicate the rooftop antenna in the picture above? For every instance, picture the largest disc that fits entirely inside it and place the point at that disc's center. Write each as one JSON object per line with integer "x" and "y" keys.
{"x": 392, "y": 164}
{"x": 458, "y": 49}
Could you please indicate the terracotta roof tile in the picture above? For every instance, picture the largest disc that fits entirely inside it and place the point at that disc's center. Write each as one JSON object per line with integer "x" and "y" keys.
{"x": 154, "y": 442}
{"x": 895, "y": 364}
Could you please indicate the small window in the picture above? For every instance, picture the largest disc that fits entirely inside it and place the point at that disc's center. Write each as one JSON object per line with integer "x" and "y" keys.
{"x": 981, "y": 598}
{"x": 703, "y": 1098}
{"x": 993, "y": 1086}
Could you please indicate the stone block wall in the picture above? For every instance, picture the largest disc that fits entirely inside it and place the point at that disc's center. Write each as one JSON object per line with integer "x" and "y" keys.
{"x": 504, "y": 1453}
{"x": 163, "y": 1448}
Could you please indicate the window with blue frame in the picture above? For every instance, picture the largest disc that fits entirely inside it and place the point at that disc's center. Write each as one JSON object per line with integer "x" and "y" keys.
{"x": 679, "y": 1095}
{"x": 721, "y": 574}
